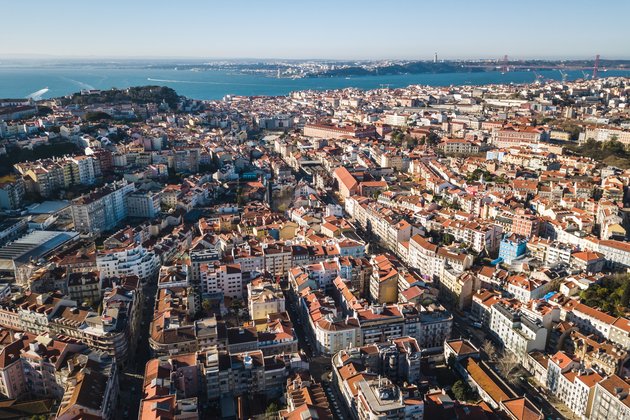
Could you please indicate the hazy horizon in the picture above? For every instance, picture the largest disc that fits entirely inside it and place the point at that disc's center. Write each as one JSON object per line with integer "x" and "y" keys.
{"x": 325, "y": 30}
{"x": 40, "y": 57}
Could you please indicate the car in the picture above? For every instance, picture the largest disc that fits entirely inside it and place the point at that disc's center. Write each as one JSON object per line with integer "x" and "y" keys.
{"x": 477, "y": 324}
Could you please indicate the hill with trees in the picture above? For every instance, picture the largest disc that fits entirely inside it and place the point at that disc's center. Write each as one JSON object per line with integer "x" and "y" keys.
{"x": 134, "y": 95}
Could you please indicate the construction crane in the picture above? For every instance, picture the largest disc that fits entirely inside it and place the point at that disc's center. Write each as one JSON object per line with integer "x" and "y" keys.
{"x": 537, "y": 76}
{"x": 564, "y": 75}
{"x": 541, "y": 79}
{"x": 585, "y": 74}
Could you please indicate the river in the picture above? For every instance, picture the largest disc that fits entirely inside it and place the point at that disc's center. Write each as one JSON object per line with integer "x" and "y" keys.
{"x": 48, "y": 82}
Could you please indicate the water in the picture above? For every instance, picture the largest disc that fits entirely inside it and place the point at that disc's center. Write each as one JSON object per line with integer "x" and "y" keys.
{"x": 49, "y": 82}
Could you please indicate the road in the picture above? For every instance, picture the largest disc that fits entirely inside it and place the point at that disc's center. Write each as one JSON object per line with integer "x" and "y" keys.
{"x": 131, "y": 377}
{"x": 319, "y": 365}
{"x": 337, "y": 405}
{"x": 299, "y": 324}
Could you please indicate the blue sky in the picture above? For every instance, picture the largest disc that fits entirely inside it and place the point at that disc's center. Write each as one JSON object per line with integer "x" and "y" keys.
{"x": 316, "y": 29}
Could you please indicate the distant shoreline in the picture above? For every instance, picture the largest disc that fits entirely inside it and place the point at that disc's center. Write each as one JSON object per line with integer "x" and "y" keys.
{"x": 214, "y": 84}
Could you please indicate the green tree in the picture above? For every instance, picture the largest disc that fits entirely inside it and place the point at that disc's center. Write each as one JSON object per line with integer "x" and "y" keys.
{"x": 462, "y": 391}
{"x": 451, "y": 361}
{"x": 625, "y": 297}
{"x": 272, "y": 408}
{"x": 97, "y": 116}
{"x": 206, "y": 305}
{"x": 432, "y": 139}
{"x": 447, "y": 238}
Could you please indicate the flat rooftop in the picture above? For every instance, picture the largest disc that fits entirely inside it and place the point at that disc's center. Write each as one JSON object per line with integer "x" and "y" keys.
{"x": 33, "y": 245}
{"x": 48, "y": 207}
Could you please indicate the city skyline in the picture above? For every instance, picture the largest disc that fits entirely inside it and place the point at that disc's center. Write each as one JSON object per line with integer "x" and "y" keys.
{"x": 347, "y": 31}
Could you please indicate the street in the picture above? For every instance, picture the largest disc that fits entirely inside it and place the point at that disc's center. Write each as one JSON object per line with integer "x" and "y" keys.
{"x": 131, "y": 376}
{"x": 299, "y": 324}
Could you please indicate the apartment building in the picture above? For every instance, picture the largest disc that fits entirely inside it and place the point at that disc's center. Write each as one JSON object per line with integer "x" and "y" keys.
{"x": 143, "y": 204}
{"x": 328, "y": 131}
{"x": 384, "y": 280}
{"x": 29, "y": 366}
{"x": 366, "y": 384}
{"x": 132, "y": 260}
{"x": 458, "y": 146}
{"x": 591, "y": 320}
{"x": 12, "y": 190}
{"x": 603, "y": 134}
{"x": 103, "y": 209}
{"x": 91, "y": 389}
{"x": 112, "y": 331}
{"x": 611, "y": 399}
{"x": 264, "y": 298}
{"x": 330, "y": 329}
{"x": 516, "y": 333}
{"x": 512, "y": 247}
{"x": 236, "y": 374}
{"x": 277, "y": 259}
{"x": 518, "y": 135}
{"x": 172, "y": 385}
{"x": 222, "y": 278}
{"x": 174, "y": 329}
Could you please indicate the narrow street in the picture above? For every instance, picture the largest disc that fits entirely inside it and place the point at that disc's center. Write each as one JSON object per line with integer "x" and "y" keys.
{"x": 131, "y": 377}
{"x": 299, "y": 324}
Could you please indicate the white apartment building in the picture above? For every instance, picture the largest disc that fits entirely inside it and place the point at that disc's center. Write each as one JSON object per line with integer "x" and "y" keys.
{"x": 143, "y": 204}
{"x": 331, "y": 331}
{"x": 422, "y": 255}
{"x": 134, "y": 260}
{"x": 591, "y": 320}
{"x": 558, "y": 253}
{"x": 223, "y": 278}
{"x": 87, "y": 168}
{"x": 526, "y": 289}
{"x": 102, "y": 209}
{"x": 611, "y": 400}
{"x": 560, "y": 374}
{"x": 517, "y": 333}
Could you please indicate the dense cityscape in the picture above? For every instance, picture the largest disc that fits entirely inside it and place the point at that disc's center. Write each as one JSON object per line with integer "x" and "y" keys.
{"x": 423, "y": 252}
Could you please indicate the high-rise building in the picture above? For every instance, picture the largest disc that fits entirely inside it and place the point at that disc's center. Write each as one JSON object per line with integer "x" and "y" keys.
{"x": 12, "y": 190}
{"x": 103, "y": 208}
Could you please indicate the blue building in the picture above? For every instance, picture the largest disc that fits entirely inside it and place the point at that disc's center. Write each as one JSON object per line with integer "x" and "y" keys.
{"x": 512, "y": 247}
{"x": 495, "y": 154}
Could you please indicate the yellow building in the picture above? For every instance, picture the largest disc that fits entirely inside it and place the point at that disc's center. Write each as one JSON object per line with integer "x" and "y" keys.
{"x": 384, "y": 280}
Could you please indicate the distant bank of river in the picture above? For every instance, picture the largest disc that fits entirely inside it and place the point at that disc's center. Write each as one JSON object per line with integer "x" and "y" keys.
{"x": 48, "y": 82}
